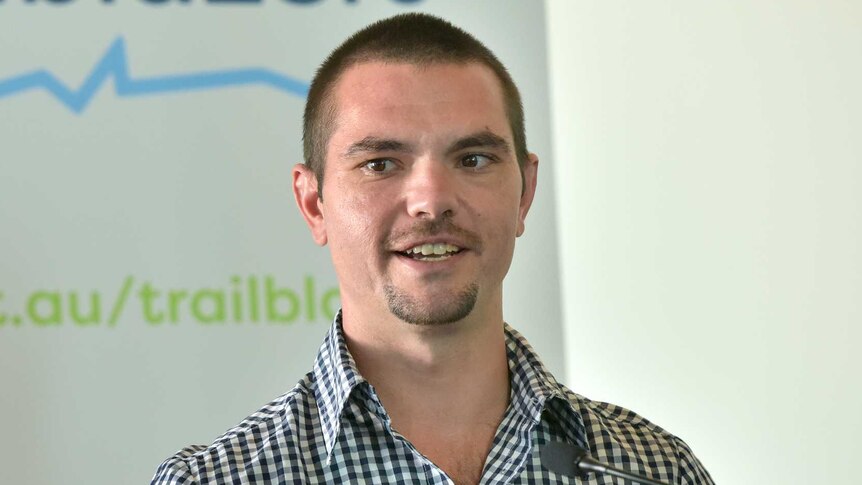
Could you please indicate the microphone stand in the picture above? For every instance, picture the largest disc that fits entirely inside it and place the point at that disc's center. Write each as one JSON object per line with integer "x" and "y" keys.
{"x": 588, "y": 464}
{"x": 571, "y": 460}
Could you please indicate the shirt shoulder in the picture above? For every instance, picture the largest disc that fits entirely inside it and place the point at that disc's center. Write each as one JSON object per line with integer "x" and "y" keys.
{"x": 621, "y": 437}
{"x": 264, "y": 447}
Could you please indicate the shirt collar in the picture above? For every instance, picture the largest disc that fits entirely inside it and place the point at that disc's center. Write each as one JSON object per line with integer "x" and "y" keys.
{"x": 335, "y": 376}
{"x": 533, "y": 389}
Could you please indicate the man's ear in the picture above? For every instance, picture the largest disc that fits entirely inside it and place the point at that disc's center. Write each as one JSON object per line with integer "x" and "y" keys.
{"x": 530, "y": 172}
{"x": 307, "y": 196}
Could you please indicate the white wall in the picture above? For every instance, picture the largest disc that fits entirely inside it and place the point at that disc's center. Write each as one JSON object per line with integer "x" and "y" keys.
{"x": 707, "y": 158}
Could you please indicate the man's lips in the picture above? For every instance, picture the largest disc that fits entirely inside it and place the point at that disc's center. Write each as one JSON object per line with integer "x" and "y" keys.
{"x": 431, "y": 250}
{"x": 432, "y": 239}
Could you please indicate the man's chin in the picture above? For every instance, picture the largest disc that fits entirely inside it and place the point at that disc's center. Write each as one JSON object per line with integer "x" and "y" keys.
{"x": 441, "y": 311}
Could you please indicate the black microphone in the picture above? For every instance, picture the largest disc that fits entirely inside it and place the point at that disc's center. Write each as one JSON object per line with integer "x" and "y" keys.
{"x": 574, "y": 461}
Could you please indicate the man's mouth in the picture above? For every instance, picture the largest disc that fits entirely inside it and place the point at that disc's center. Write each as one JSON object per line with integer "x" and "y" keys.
{"x": 431, "y": 252}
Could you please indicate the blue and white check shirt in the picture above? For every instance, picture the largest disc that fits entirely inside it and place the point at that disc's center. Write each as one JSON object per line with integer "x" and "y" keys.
{"x": 332, "y": 429}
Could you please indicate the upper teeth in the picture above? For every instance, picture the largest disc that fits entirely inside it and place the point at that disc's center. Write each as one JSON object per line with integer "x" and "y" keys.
{"x": 428, "y": 249}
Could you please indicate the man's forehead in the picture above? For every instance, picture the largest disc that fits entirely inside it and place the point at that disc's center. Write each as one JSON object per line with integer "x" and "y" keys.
{"x": 380, "y": 83}
{"x": 377, "y": 98}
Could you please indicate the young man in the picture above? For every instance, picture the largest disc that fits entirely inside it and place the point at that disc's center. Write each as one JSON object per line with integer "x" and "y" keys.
{"x": 418, "y": 178}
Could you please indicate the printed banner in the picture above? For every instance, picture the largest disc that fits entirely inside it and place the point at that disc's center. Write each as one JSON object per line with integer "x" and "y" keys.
{"x": 157, "y": 283}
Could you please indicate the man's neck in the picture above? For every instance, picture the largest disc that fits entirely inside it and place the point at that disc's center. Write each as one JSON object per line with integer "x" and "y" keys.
{"x": 443, "y": 386}
{"x": 457, "y": 370}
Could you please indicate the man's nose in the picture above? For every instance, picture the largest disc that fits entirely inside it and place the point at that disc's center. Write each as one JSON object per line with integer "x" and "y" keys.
{"x": 431, "y": 190}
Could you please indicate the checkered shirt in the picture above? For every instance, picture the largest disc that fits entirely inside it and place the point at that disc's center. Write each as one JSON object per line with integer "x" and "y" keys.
{"x": 332, "y": 429}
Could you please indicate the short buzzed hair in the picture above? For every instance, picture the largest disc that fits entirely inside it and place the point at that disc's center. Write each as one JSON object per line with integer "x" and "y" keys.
{"x": 412, "y": 38}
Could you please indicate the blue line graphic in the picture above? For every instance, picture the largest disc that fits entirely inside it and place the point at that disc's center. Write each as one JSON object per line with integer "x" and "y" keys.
{"x": 114, "y": 63}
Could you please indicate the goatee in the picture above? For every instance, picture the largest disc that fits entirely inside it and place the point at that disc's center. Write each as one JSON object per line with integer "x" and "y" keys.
{"x": 456, "y": 308}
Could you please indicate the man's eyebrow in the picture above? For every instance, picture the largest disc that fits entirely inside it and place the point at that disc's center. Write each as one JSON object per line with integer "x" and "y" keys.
{"x": 482, "y": 139}
{"x": 371, "y": 144}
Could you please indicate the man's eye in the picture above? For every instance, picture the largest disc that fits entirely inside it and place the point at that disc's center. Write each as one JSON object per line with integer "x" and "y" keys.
{"x": 476, "y": 161}
{"x": 380, "y": 165}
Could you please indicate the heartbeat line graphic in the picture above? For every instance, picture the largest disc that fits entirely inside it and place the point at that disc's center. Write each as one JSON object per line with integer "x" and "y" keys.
{"x": 114, "y": 63}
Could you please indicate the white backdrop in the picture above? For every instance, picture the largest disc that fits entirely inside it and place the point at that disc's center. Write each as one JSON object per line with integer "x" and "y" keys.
{"x": 157, "y": 284}
{"x": 708, "y": 172}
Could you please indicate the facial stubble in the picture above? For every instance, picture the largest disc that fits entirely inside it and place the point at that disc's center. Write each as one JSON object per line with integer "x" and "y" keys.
{"x": 452, "y": 310}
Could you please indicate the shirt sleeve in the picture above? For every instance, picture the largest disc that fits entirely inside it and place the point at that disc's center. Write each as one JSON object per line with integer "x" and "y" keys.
{"x": 691, "y": 470}
{"x": 175, "y": 470}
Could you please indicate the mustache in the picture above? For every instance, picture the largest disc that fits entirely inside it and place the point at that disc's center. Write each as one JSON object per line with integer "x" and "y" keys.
{"x": 435, "y": 227}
